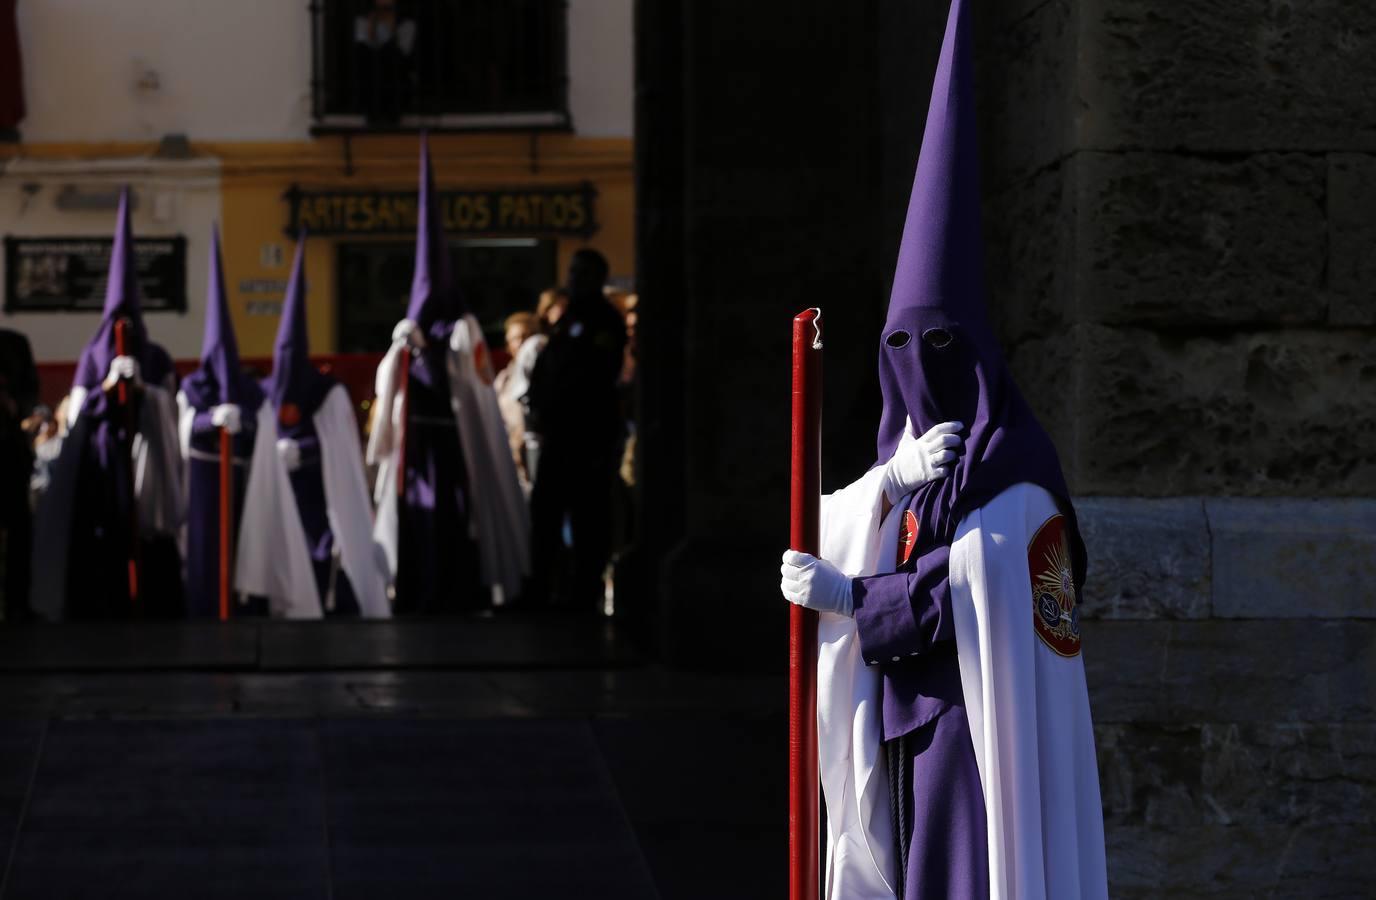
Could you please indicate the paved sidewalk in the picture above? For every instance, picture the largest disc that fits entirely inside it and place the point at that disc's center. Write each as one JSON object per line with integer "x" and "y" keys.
{"x": 612, "y": 783}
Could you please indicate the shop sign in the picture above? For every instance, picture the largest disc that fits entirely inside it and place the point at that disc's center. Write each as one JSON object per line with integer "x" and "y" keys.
{"x": 542, "y": 210}
{"x": 68, "y": 274}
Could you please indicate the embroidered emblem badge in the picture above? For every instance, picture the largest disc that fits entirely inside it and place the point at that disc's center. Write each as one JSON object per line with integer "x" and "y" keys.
{"x": 289, "y": 415}
{"x": 1055, "y": 613}
{"x": 907, "y": 536}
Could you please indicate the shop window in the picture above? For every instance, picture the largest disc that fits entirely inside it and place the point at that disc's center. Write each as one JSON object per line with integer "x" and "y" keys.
{"x": 401, "y": 64}
{"x": 495, "y": 277}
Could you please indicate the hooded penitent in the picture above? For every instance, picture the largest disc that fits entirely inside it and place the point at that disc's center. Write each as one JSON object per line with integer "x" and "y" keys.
{"x": 87, "y": 529}
{"x": 326, "y": 487}
{"x": 986, "y": 728}
{"x": 450, "y": 515}
{"x": 436, "y": 568}
{"x": 121, "y": 303}
{"x": 939, "y": 360}
{"x": 218, "y": 381}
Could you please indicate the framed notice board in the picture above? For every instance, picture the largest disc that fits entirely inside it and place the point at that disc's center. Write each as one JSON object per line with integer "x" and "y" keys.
{"x": 67, "y": 274}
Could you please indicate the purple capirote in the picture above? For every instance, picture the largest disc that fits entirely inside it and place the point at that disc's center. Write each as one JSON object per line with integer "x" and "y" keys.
{"x": 122, "y": 301}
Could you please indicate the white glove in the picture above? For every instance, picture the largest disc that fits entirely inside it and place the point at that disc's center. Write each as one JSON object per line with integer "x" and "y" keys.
{"x": 228, "y": 417}
{"x": 409, "y": 332}
{"x": 816, "y": 584}
{"x": 919, "y": 460}
{"x": 289, "y": 451}
{"x": 122, "y": 368}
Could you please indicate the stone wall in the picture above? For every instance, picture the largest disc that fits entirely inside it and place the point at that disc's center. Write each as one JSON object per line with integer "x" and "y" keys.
{"x": 1181, "y": 207}
{"x": 1182, "y": 212}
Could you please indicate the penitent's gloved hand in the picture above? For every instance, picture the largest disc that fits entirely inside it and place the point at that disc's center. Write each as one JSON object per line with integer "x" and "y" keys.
{"x": 289, "y": 451}
{"x": 919, "y": 460}
{"x": 228, "y": 417}
{"x": 409, "y": 332}
{"x": 816, "y": 584}
{"x": 122, "y": 368}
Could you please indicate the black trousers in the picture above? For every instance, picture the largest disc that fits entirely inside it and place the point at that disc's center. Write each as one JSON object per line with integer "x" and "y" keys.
{"x": 574, "y": 481}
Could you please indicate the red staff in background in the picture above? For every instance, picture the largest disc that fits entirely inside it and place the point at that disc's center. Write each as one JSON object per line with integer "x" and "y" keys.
{"x": 403, "y": 382}
{"x": 125, "y": 400}
{"x": 805, "y": 501}
{"x": 226, "y": 517}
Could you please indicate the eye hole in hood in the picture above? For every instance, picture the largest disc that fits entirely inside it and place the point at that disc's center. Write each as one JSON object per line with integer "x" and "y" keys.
{"x": 898, "y": 339}
{"x": 939, "y": 338}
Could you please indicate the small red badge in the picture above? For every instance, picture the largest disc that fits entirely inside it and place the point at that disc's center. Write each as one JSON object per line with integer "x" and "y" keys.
{"x": 907, "y": 536}
{"x": 289, "y": 415}
{"x": 1055, "y": 613}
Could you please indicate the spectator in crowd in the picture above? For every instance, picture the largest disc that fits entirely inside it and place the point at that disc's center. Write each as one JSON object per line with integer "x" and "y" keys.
{"x": 384, "y": 44}
{"x": 45, "y": 428}
{"x": 18, "y": 394}
{"x": 524, "y": 343}
{"x": 552, "y": 304}
{"x": 574, "y": 404}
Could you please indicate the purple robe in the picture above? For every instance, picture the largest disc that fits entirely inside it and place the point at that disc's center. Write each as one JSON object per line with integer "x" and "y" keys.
{"x": 101, "y": 521}
{"x": 437, "y": 561}
{"x": 203, "y": 501}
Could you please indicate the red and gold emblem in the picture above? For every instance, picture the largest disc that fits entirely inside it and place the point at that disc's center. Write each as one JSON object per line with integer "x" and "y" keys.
{"x": 907, "y": 537}
{"x": 289, "y": 415}
{"x": 1055, "y": 614}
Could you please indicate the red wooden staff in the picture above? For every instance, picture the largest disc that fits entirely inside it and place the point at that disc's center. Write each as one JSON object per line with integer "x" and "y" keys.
{"x": 805, "y": 500}
{"x": 125, "y": 403}
{"x": 226, "y": 517}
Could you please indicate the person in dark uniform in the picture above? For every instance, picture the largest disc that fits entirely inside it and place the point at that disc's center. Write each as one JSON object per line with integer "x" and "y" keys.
{"x": 575, "y": 408}
{"x": 18, "y": 396}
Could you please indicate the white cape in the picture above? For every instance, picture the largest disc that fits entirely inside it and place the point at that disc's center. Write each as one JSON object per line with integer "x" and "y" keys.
{"x": 271, "y": 557}
{"x": 1027, "y": 706}
{"x": 157, "y": 487}
{"x": 498, "y": 519}
{"x": 860, "y": 843}
{"x": 270, "y": 496}
{"x": 1029, "y": 712}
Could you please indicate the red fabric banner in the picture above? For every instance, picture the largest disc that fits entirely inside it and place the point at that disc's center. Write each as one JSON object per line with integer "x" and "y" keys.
{"x": 11, "y": 69}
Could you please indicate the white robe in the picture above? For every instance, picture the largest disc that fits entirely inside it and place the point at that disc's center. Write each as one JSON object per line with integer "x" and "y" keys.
{"x": 266, "y": 533}
{"x": 158, "y": 487}
{"x": 1027, "y": 706}
{"x": 498, "y": 518}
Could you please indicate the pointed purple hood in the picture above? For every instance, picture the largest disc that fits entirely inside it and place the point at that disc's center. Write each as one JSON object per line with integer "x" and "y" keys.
{"x": 121, "y": 302}
{"x": 220, "y": 379}
{"x": 295, "y": 380}
{"x": 939, "y": 359}
{"x": 433, "y": 295}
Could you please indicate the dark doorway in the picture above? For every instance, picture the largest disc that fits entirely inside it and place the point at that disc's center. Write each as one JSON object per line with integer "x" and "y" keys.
{"x": 495, "y": 276}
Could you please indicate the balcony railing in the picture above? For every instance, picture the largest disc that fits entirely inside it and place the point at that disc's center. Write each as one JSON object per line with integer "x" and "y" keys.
{"x": 388, "y": 65}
